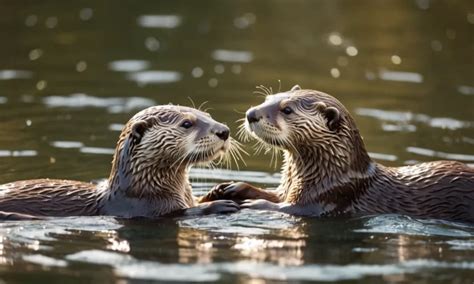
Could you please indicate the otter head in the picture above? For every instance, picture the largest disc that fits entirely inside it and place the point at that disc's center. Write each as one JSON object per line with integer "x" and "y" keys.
{"x": 165, "y": 140}
{"x": 308, "y": 122}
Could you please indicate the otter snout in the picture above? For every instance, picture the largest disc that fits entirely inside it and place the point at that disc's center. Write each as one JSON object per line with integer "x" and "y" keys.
{"x": 253, "y": 116}
{"x": 222, "y": 132}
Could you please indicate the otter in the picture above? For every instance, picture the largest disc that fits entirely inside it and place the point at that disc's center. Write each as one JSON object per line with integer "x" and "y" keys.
{"x": 328, "y": 172}
{"x": 149, "y": 175}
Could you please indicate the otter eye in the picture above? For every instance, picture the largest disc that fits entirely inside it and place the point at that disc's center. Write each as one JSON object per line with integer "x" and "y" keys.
{"x": 287, "y": 110}
{"x": 186, "y": 124}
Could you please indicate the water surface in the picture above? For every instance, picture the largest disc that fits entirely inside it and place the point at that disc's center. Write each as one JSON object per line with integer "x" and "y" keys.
{"x": 72, "y": 73}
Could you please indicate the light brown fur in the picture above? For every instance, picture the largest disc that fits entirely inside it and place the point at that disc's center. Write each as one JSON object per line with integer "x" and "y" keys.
{"x": 149, "y": 175}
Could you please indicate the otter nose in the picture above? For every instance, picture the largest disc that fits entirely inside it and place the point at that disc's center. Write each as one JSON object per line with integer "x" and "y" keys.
{"x": 224, "y": 134}
{"x": 252, "y": 116}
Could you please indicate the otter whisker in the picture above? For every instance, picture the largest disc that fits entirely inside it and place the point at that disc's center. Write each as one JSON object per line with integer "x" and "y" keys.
{"x": 202, "y": 105}
{"x": 237, "y": 147}
{"x": 242, "y": 134}
{"x": 260, "y": 93}
{"x": 264, "y": 89}
{"x": 192, "y": 102}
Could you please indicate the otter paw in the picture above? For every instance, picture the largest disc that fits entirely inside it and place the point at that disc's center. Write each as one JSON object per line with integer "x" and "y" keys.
{"x": 221, "y": 207}
{"x": 216, "y": 193}
{"x": 259, "y": 204}
{"x": 238, "y": 191}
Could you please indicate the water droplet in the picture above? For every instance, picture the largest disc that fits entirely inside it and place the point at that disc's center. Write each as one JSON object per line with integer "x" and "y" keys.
{"x": 28, "y": 122}
{"x": 451, "y": 34}
{"x": 35, "y": 54}
{"x": 436, "y": 45}
{"x": 31, "y": 20}
{"x": 86, "y": 14}
{"x": 423, "y": 4}
{"x": 335, "y": 73}
{"x": 396, "y": 59}
{"x": 51, "y": 22}
{"x": 370, "y": 75}
{"x": 351, "y": 51}
{"x": 41, "y": 85}
{"x": 335, "y": 39}
{"x": 81, "y": 66}
{"x": 152, "y": 44}
{"x": 342, "y": 61}
{"x": 213, "y": 82}
{"x": 245, "y": 21}
{"x": 197, "y": 72}
{"x": 470, "y": 18}
{"x": 236, "y": 69}
{"x": 219, "y": 69}
{"x": 52, "y": 160}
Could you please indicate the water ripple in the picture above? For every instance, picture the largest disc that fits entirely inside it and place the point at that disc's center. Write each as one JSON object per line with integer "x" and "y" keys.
{"x": 383, "y": 157}
{"x": 154, "y": 77}
{"x": 245, "y": 222}
{"x": 15, "y": 74}
{"x": 225, "y": 175}
{"x": 466, "y": 90}
{"x": 159, "y": 21}
{"x": 399, "y": 224}
{"x": 18, "y": 153}
{"x": 129, "y": 65}
{"x": 406, "y": 117}
{"x": 67, "y": 144}
{"x": 400, "y": 76}
{"x": 44, "y": 260}
{"x": 130, "y": 267}
{"x": 442, "y": 155}
{"x": 112, "y": 104}
{"x": 232, "y": 56}
{"x": 97, "y": 150}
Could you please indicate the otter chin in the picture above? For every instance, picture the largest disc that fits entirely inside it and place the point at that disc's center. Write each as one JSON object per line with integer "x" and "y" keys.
{"x": 328, "y": 172}
{"x": 149, "y": 175}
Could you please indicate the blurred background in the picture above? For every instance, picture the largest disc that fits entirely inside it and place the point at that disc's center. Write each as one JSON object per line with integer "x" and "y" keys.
{"x": 73, "y": 72}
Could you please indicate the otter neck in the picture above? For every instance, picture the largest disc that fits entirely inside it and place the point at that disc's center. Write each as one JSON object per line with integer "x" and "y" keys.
{"x": 152, "y": 183}
{"x": 133, "y": 178}
{"x": 312, "y": 171}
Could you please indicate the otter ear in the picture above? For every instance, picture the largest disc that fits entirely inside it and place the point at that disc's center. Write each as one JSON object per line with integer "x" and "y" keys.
{"x": 138, "y": 130}
{"x": 333, "y": 116}
{"x": 295, "y": 88}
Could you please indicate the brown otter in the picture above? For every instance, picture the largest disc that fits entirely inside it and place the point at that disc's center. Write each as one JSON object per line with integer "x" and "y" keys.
{"x": 327, "y": 171}
{"x": 149, "y": 175}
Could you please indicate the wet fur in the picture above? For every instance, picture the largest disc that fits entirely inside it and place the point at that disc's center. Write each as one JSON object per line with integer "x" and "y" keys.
{"x": 328, "y": 172}
{"x": 145, "y": 180}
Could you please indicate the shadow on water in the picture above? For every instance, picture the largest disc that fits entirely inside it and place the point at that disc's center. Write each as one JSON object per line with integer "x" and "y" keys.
{"x": 71, "y": 75}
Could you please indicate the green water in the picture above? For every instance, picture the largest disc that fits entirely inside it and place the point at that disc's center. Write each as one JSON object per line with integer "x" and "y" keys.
{"x": 71, "y": 73}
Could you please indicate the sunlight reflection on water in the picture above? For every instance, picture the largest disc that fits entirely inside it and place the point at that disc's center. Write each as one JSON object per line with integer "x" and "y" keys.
{"x": 15, "y": 74}
{"x": 129, "y": 65}
{"x": 112, "y": 104}
{"x": 154, "y": 77}
{"x": 159, "y": 21}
